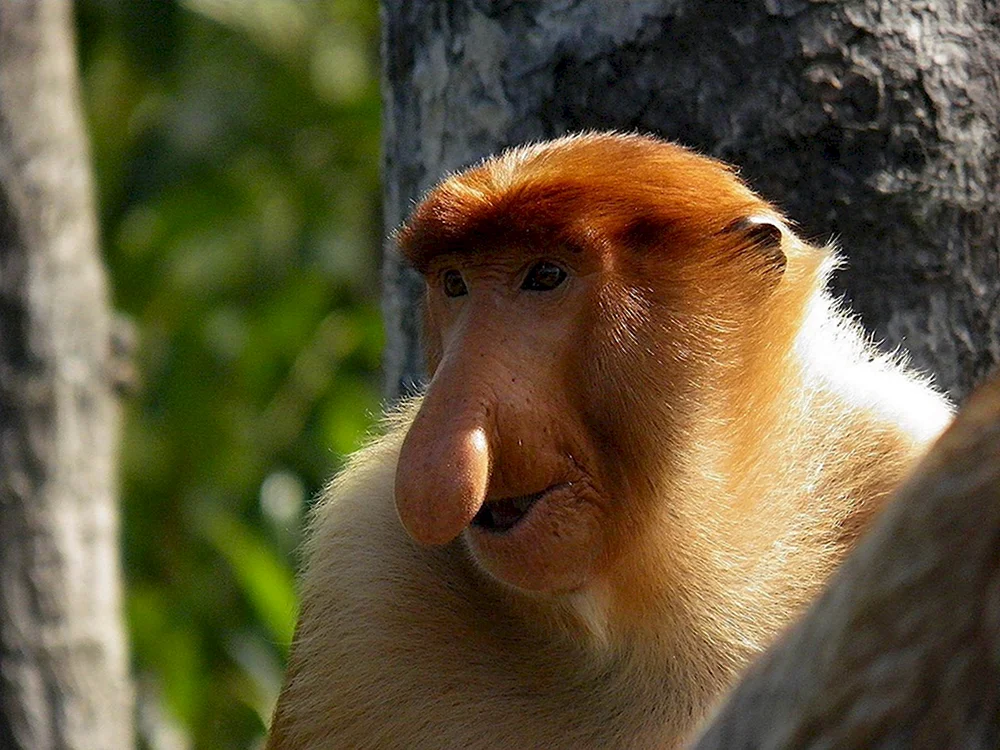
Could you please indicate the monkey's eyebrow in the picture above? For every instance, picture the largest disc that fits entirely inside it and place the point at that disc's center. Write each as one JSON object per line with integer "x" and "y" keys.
{"x": 431, "y": 262}
{"x": 573, "y": 246}
{"x": 425, "y": 252}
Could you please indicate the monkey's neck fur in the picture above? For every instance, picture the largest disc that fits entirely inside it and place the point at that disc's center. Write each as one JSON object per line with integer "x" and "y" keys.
{"x": 809, "y": 458}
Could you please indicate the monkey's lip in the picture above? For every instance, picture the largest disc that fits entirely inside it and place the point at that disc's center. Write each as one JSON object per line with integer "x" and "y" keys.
{"x": 503, "y": 514}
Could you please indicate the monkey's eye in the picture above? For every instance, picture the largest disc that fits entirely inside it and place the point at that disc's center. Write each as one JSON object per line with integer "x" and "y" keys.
{"x": 543, "y": 277}
{"x": 454, "y": 284}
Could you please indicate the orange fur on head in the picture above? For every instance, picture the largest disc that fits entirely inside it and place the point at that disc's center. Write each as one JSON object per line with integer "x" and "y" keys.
{"x": 648, "y": 438}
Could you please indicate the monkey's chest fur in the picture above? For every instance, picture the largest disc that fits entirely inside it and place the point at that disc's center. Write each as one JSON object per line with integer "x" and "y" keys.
{"x": 402, "y": 646}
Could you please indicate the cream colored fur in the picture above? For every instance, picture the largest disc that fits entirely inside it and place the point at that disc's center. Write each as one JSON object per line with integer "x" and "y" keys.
{"x": 402, "y": 646}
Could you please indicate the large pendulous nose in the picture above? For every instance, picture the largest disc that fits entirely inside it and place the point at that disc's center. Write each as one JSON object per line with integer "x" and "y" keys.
{"x": 443, "y": 471}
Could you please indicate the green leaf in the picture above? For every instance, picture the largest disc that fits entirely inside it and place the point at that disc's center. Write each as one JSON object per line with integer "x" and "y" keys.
{"x": 265, "y": 579}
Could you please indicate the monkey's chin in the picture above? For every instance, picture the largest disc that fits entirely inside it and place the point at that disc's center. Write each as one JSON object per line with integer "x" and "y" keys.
{"x": 550, "y": 541}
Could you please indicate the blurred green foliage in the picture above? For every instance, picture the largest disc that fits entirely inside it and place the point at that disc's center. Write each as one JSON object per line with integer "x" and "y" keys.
{"x": 236, "y": 151}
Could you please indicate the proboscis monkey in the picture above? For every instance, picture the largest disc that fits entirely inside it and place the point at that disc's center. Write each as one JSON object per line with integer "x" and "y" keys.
{"x": 903, "y": 649}
{"x": 649, "y": 437}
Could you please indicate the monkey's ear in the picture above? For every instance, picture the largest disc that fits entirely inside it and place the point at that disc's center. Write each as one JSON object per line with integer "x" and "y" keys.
{"x": 762, "y": 235}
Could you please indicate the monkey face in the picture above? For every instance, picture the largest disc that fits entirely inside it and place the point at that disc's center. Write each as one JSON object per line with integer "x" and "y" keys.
{"x": 499, "y": 454}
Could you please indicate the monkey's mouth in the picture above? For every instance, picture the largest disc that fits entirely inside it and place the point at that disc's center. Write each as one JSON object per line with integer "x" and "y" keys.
{"x": 498, "y": 516}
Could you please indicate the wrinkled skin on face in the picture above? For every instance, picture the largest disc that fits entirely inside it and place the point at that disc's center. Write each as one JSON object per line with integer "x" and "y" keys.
{"x": 500, "y": 451}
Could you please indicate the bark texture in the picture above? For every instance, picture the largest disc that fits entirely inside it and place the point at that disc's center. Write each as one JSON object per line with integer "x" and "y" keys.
{"x": 876, "y": 122}
{"x": 63, "y": 660}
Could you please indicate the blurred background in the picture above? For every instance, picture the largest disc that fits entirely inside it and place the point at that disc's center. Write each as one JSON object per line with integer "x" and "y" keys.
{"x": 235, "y": 144}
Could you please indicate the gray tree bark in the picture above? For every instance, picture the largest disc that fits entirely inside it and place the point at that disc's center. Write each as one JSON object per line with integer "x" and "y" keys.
{"x": 872, "y": 121}
{"x": 63, "y": 659}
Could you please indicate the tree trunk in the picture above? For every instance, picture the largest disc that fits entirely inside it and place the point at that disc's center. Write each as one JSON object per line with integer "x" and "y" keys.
{"x": 872, "y": 121}
{"x": 63, "y": 660}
